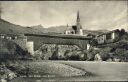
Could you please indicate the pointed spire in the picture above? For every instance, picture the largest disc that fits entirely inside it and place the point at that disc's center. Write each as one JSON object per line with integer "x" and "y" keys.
{"x": 67, "y": 25}
{"x": 0, "y": 9}
{"x": 78, "y": 21}
{"x": 78, "y": 17}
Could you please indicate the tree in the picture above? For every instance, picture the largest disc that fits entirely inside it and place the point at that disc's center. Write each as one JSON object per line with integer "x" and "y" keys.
{"x": 122, "y": 32}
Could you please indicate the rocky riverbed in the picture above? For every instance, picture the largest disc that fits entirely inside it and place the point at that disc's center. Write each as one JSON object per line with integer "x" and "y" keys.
{"x": 6, "y": 74}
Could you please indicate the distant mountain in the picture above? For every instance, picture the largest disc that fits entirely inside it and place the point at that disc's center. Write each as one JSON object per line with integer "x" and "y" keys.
{"x": 37, "y": 29}
{"x": 53, "y": 29}
{"x": 94, "y": 32}
{"x": 57, "y": 29}
{"x": 7, "y": 27}
{"x": 61, "y": 29}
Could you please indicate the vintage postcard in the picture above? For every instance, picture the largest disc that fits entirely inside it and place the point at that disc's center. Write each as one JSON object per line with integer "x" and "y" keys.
{"x": 66, "y": 41}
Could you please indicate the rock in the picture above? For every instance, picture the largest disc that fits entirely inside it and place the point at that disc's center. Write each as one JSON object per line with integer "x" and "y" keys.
{"x": 98, "y": 57}
{"x": 5, "y": 73}
{"x": 11, "y": 75}
{"x": 3, "y": 80}
{"x": 109, "y": 60}
{"x": 117, "y": 59}
{"x": 48, "y": 50}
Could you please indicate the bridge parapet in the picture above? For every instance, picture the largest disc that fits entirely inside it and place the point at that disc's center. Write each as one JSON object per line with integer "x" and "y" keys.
{"x": 80, "y": 41}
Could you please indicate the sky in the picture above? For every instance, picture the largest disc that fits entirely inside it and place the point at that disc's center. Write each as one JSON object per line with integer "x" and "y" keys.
{"x": 94, "y": 15}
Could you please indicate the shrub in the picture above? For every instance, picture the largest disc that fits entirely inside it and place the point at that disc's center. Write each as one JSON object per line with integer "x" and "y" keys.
{"x": 91, "y": 54}
{"x": 104, "y": 53}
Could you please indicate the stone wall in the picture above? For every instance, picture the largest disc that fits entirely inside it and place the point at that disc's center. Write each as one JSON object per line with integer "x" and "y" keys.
{"x": 30, "y": 47}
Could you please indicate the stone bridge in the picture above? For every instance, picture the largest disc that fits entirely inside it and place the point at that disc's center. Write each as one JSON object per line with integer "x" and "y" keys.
{"x": 60, "y": 39}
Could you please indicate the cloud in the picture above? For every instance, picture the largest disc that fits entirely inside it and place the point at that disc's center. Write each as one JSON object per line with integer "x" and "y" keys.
{"x": 94, "y": 14}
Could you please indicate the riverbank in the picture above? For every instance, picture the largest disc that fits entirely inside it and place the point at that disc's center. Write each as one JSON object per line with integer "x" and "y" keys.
{"x": 103, "y": 71}
{"x": 100, "y": 71}
{"x": 72, "y": 71}
{"x": 54, "y": 69}
{"x": 43, "y": 69}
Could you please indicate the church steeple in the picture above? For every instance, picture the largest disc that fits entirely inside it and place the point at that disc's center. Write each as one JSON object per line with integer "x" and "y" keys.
{"x": 78, "y": 21}
{"x": 78, "y": 17}
{"x": 78, "y": 25}
{"x": 76, "y": 29}
{"x": 0, "y": 10}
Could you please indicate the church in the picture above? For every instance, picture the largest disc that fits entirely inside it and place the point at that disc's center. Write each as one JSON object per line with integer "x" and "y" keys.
{"x": 75, "y": 29}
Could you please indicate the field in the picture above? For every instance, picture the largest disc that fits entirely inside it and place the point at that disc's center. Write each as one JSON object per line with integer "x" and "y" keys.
{"x": 99, "y": 71}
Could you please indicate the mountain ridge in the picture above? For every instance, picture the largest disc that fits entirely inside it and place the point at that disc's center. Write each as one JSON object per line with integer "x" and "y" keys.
{"x": 7, "y": 27}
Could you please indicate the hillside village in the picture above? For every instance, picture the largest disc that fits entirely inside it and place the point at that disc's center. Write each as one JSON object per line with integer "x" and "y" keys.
{"x": 63, "y": 41}
{"x": 39, "y": 43}
{"x": 34, "y": 44}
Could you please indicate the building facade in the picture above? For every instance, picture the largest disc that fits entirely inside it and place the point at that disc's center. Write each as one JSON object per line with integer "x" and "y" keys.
{"x": 108, "y": 37}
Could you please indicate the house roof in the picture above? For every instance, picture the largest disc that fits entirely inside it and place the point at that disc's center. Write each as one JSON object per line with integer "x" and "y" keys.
{"x": 116, "y": 30}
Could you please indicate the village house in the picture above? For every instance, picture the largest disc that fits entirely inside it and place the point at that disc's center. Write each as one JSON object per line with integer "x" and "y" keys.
{"x": 108, "y": 37}
{"x": 2, "y": 36}
{"x": 11, "y": 36}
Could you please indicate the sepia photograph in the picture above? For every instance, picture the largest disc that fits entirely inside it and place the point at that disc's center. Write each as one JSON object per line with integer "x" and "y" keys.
{"x": 63, "y": 41}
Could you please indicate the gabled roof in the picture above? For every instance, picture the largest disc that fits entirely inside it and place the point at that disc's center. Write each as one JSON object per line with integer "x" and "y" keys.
{"x": 69, "y": 28}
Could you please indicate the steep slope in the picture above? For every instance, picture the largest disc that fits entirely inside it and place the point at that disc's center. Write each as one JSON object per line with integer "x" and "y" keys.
{"x": 10, "y": 50}
{"x": 7, "y": 27}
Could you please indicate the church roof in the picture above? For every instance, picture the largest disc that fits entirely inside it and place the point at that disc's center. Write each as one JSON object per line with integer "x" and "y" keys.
{"x": 69, "y": 28}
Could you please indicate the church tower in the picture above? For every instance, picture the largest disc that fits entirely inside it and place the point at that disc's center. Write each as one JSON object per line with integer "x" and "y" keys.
{"x": 78, "y": 18}
{"x": 78, "y": 25}
{"x": 0, "y": 10}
